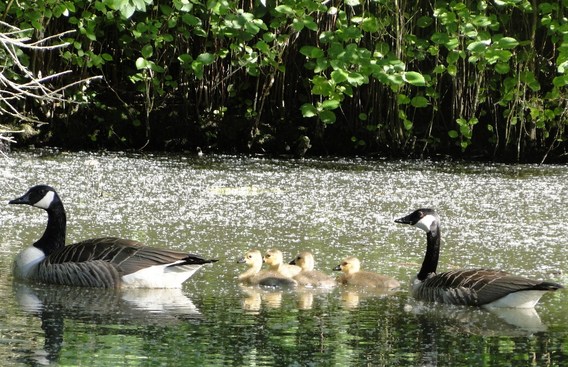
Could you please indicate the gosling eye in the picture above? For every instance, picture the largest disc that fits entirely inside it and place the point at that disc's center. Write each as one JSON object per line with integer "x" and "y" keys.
{"x": 343, "y": 264}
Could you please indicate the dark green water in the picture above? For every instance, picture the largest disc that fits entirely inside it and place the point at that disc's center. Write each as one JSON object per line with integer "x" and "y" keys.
{"x": 498, "y": 216}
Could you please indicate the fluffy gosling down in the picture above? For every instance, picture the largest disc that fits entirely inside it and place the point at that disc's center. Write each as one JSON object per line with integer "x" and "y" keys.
{"x": 254, "y": 275}
{"x": 99, "y": 262}
{"x": 354, "y": 276}
{"x": 472, "y": 287}
{"x": 275, "y": 261}
{"x": 309, "y": 277}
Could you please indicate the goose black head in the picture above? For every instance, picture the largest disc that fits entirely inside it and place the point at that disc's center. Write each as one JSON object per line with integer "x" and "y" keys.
{"x": 41, "y": 196}
{"x": 425, "y": 219}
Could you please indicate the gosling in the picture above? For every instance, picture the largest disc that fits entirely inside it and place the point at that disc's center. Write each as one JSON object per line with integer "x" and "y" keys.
{"x": 352, "y": 275}
{"x": 309, "y": 277}
{"x": 255, "y": 276}
{"x": 275, "y": 261}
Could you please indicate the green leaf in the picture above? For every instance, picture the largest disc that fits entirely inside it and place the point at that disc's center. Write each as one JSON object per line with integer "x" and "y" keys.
{"x": 507, "y": 43}
{"x": 142, "y": 63}
{"x": 308, "y": 110}
{"x": 147, "y": 51}
{"x": 357, "y": 79}
{"x": 419, "y": 102}
{"x": 327, "y": 117}
{"x": 478, "y": 46}
{"x": 560, "y": 81}
{"x": 284, "y": 9}
{"x": 414, "y": 78}
{"x": 339, "y": 76}
{"x": 502, "y": 68}
{"x": 312, "y": 52}
{"x": 453, "y": 134}
{"x": 206, "y": 58}
{"x": 424, "y": 21}
{"x": 370, "y": 24}
{"x": 402, "y": 99}
{"x": 330, "y": 104}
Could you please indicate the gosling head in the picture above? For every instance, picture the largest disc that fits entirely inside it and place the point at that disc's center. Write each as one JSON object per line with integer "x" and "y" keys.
{"x": 273, "y": 258}
{"x": 305, "y": 260}
{"x": 40, "y": 196}
{"x": 252, "y": 258}
{"x": 426, "y": 219}
{"x": 349, "y": 265}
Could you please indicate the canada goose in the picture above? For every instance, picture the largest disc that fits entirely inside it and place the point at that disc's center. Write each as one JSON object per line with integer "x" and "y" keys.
{"x": 352, "y": 275}
{"x": 309, "y": 277}
{"x": 475, "y": 287}
{"x": 255, "y": 276}
{"x": 275, "y": 261}
{"x": 100, "y": 262}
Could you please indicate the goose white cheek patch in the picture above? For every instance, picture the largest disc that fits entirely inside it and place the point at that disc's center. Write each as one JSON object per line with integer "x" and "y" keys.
{"x": 426, "y": 223}
{"x": 45, "y": 202}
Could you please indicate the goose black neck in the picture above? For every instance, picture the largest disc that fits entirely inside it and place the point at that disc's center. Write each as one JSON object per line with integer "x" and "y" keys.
{"x": 430, "y": 263}
{"x": 54, "y": 235}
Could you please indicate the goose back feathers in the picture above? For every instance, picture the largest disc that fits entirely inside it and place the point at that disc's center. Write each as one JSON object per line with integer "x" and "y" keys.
{"x": 101, "y": 262}
{"x": 475, "y": 287}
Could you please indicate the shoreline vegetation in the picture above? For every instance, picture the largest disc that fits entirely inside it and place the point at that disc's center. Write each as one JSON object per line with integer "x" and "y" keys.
{"x": 474, "y": 80}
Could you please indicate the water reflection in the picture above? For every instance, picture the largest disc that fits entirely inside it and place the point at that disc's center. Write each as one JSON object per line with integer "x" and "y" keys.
{"x": 139, "y": 307}
{"x": 477, "y": 321}
{"x": 305, "y": 298}
{"x": 351, "y": 297}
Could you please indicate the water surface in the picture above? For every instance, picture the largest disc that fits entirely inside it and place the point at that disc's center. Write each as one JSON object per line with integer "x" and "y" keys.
{"x": 499, "y": 216}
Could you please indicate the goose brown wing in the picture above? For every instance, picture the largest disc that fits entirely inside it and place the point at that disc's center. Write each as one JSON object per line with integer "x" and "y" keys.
{"x": 126, "y": 256}
{"x": 477, "y": 286}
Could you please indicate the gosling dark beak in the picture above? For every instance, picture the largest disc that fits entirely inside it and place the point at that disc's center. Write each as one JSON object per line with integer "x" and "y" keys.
{"x": 293, "y": 262}
{"x": 337, "y": 268}
{"x": 241, "y": 260}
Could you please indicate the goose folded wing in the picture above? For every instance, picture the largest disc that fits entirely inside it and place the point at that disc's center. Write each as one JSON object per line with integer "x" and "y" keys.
{"x": 95, "y": 273}
{"x": 480, "y": 286}
{"x": 126, "y": 256}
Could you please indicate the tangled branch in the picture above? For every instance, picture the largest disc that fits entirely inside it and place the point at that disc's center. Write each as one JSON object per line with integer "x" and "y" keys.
{"x": 27, "y": 85}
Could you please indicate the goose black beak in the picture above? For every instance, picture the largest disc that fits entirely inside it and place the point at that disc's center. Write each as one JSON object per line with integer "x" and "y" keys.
{"x": 337, "y": 268}
{"x": 404, "y": 220}
{"x": 21, "y": 200}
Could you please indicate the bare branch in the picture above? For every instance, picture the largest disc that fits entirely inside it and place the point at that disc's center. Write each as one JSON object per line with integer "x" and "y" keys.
{"x": 32, "y": 86}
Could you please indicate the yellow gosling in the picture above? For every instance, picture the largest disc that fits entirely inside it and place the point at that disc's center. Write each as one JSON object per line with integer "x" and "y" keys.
{"x": 353, "y": 275}
{"x": 255, "y": 276}
{"x": 275, "y": 261}
{"x": 309, "y": 277}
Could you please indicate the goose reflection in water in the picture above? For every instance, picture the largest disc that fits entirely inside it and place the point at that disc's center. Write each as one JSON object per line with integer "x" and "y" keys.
{"x": 476, "y": 321}
{"x": 138, "y": 307}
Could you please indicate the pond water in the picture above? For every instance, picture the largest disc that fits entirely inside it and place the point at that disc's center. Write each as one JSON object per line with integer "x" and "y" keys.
{"x": 510, "y": 217}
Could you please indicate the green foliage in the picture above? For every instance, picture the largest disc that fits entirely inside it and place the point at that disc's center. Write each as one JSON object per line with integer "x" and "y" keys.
{"x": 497, "y": 71}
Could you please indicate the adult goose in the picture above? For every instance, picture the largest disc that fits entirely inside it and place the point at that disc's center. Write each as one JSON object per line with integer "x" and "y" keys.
{"x": 100, "y": 262}
{"x": 475, "y": 287}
